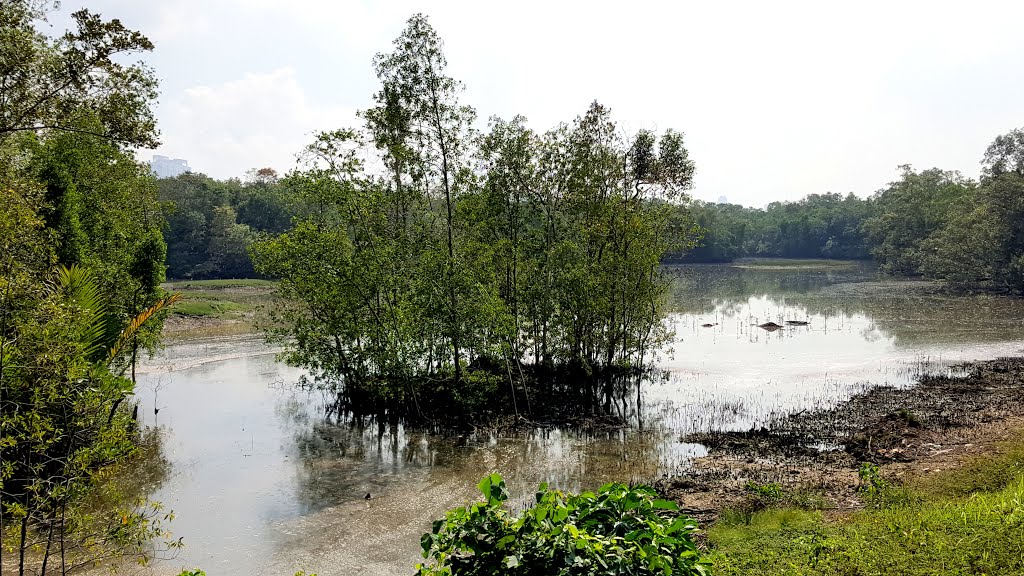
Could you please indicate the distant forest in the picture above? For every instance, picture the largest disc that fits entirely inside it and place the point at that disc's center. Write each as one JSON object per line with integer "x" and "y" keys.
{"x": 932, "y": 223}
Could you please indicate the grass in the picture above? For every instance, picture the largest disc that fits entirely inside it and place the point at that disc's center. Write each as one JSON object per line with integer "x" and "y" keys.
{"x": 964, "y": 521}
{"x": 220, "y": 284}
{"x": 220, "y": 299}
{"x": 791, "y": 263}
{"x": 200, "y": 307}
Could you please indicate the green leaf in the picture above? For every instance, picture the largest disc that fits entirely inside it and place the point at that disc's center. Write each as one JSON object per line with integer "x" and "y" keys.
{"x": 665, "y": 505}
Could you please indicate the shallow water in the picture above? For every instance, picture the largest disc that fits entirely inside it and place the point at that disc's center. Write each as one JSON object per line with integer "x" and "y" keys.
{"x": 263, "y": 484}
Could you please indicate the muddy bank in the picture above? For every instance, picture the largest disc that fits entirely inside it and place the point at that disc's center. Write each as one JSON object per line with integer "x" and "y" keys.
{"x": 911, "y": 431}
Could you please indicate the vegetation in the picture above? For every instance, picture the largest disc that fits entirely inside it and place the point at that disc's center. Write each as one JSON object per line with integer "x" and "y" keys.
{"x": 963, "y": 521}
{"x": 618, "y": 530}
{"x": 211, "y": 224}
{"x": 933, "y": 223}
{"x": 224, "y": 299}
{"x": 475, "y": 267}
{"x": 81, "y": 262}
{"x": 819, "y": 226}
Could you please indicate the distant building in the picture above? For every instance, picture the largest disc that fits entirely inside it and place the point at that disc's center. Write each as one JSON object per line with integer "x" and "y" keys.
{"x": 165, "y": 167}
{"x": 723, "y": 200}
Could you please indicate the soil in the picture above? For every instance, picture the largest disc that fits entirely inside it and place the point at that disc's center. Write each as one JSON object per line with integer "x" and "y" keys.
{"x": 913, "y": 431}
{"x": 178, "y": 327}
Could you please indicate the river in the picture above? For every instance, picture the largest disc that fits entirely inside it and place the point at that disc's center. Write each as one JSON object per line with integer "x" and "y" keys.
{"x": 262, "y": 483}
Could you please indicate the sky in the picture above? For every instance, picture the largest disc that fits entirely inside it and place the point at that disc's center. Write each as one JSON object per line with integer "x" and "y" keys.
{"x": 776, "y": 99}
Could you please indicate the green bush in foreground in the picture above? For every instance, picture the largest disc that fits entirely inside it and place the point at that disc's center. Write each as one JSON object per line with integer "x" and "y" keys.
{"x": 619, "y": 530}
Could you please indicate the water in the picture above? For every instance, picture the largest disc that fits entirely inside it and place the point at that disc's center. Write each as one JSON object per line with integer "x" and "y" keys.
{"x": 261, "y": 483}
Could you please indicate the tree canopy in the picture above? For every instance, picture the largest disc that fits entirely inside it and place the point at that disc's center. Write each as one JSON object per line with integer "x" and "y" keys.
{"x": 473, "y": 259}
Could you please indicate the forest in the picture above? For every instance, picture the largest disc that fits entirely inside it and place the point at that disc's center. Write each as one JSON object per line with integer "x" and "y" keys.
{"x": 430, "y": 266}
{"x": 932, "y": 223}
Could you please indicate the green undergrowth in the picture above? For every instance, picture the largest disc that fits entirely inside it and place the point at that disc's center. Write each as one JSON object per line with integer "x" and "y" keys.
{"x": 227, "y": 299}
{"x": 964, "y": 521}
{"x": 619, "y": 530}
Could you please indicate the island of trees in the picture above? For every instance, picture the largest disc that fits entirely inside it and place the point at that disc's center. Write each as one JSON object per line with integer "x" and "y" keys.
{"x": 427, "y": 269}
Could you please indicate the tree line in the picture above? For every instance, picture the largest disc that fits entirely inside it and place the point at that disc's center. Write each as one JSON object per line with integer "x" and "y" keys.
{"x": 210, "y": 224}
{"x": 81, "y": 263}
{"x": 933, "y": 223}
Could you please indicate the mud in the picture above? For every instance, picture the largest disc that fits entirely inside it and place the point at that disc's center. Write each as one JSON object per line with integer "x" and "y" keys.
{"x": 912, "y": 431}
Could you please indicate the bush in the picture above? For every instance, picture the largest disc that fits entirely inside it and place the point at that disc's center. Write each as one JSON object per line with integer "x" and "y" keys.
{"x": 618, "y": 530}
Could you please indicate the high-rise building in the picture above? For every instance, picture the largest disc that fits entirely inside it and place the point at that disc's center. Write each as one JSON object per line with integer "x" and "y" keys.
{"x": 165, "y": 167}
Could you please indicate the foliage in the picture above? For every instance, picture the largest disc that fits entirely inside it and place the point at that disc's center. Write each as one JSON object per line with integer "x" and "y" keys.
{"x": 211, "y": 224}
{"x": 47, "y": 83}
{"x": 818, "y": 226}
{"x": 61, "y": 427}
{"x": 81, "y": 261}
{"x": 511, "y": 254}
{"x": 933, "y": 222}
{"x": 618, "y": 530}
{"x": 908, "y": 212}
{"x": 964, "y": 521}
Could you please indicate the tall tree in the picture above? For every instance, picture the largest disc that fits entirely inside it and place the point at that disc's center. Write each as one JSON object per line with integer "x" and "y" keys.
{"x": 429, "y": 129}
{"x": 44, "y": 83}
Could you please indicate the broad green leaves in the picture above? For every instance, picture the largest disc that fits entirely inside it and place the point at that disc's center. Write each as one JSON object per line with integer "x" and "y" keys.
{"x": 618, "y": 530}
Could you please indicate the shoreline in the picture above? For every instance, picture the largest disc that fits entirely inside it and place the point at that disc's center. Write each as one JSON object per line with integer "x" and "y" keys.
{"x": 909, "y": 432}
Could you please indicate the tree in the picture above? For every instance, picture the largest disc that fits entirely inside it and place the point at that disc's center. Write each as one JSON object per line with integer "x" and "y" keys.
{"x": 1005, "y": 155}
{"x": 982, "y": 240}
{"x": 908, "y": 212}
{"x": 428, "y": 129}
{"x": 46, "y": 84}
{"x": 426, "y": 285}
{"x": 81, "y": 261}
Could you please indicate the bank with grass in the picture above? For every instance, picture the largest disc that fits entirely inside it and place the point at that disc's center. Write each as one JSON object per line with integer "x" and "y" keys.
{"x": 964, "y": 520}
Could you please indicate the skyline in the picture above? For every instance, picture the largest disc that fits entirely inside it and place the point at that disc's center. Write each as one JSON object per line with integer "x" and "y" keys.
{"x": 776, "y": 102}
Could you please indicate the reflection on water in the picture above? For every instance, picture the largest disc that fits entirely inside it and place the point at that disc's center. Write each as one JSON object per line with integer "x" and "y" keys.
{"x": 264, "y": 484}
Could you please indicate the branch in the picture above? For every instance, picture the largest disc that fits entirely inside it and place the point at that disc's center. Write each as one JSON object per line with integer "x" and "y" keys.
{"x": 66, "y": 129}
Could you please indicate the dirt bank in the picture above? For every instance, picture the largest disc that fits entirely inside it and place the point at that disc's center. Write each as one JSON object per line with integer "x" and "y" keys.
{"x": 931, "y": 426}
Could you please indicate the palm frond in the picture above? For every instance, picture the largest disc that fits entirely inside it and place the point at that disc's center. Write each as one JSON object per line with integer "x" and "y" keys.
{"x": 79, "y": 286}
{"x": 136, "y": 323}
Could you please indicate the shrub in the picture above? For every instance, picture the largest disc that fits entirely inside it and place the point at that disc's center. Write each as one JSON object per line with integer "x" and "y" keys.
{"x": 619, "y": 530}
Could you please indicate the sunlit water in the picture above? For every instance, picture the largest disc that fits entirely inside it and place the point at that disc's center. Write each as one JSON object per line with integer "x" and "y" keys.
{"x": 263, "y": 484}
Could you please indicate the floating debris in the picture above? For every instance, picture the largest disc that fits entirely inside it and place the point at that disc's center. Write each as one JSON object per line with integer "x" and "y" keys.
{"x": 797, "y": 322}
{"x": 769, "y": 326}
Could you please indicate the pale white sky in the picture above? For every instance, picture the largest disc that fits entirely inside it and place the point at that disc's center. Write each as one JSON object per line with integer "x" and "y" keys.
{"x": 777, "y": 99}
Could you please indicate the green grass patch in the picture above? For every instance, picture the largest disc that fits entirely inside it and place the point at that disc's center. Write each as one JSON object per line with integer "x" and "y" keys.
{"x": 230, "y": 283}
{"x": 986, "y": 473}
{"x": 965, "y": 521}
{"x": 792, "y": 263}
{"x": 228, "y": 299}
{"x": 205, "y": 308}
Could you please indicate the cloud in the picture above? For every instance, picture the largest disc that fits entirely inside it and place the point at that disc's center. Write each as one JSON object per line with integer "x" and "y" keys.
{"x": 777, "y": 100}
{"x": 259, "y": 120}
